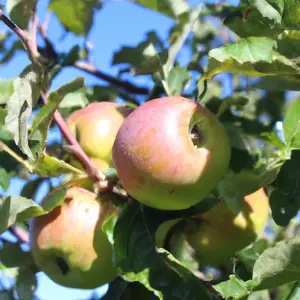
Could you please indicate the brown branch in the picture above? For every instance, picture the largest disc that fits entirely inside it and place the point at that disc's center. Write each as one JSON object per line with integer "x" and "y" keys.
{"x": 23, "y": 37}
{"x": 93, "y": 172}
{"x": 21, "y": 234}
{"x": 126, "y": 85}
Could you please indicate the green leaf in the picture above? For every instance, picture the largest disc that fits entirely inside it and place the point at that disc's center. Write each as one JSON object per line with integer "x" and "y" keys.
{"x": 76, "y": 16}
{"x": 170, "y": 8}
{"x": 177, "y": 80}
{"x": 285, "y": 198}
{"x": 247, "y": 257}
{"x": 41, "y": 122}
{"x": 26, "y": 284}
{"x": 266, "y": 10}
{"x": 6, "y": 90}
{"x": 247, "y": 21}
{"x": 31, "y": 188}
{"x": 253, "y": 56}
{"x": 12, "y": 256}
{"x": 20, "y": 11}
{"x": 291, "y": 17}
{"x": 288, "y": 43}
{"x": 5, "y": 178}
{"x": 76, "y": 99}
{"x": 233, "y": 288}
{"x": 70, "y": 58}
{"x": 138, "y": 259}
{"x": 273, "y": 139}
{"x": 275, "y": 83}
{"x": 3, "y": 114}
{"x": 49, "y": 166}
{"x": 116, "y": 289}
{"x": 278, "y": 265}
{"x": 16, "y": 209}
{"x": 235, "y": 100}
{"x": 291, "y": 126}
{"x": 19, "y": 105}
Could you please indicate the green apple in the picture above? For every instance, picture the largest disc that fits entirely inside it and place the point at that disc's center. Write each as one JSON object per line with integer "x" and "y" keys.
{"x": 170, "y": 153}
{"x": 215, "y": 236}
{"x": 68, "y": 243}
{"x": 95, "y": 127}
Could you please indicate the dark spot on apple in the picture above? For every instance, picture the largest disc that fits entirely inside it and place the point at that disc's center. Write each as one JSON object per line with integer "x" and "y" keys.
{"x": 63, "y": 266}
{"x": 171, "y": 191}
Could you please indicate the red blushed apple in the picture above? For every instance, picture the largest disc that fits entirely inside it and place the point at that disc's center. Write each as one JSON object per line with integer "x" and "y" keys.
{"x": 159, "y": 162}
{"x": 68, "y": 243}
{"x": 95, "y": 127}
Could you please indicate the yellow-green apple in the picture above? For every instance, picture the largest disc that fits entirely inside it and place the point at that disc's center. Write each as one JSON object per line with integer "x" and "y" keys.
{"x": 68, "y": 243}
{"x": 95, "y": 127}
{"x": 215, "y": 236}
{"x": 170, "y": 153}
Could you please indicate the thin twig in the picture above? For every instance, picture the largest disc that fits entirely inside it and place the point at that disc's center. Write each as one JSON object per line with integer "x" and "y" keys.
{"x": 295, "y": 285}
{"x": 23, "y": 37}
{"x": 21, "y": 234}
{"x": 92, "y": 170}
{"x": 13, "y": 154}
{"x": 126, "y": 85}
{"x": 33, "y": 31}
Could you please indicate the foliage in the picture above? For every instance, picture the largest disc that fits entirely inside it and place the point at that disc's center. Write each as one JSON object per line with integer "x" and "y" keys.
{"x": 254, "y": 46}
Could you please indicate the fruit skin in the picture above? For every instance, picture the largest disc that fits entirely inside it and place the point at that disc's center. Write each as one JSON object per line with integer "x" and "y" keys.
{"x": 156, "y": 159}
{"x": 215, "y": 236}
{"x": 95, "y": 127}
{"x": 71, "y": 234}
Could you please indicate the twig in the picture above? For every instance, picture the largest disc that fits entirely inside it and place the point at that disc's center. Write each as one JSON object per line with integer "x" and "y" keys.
{"x": 33, "y": 31}
{"x": 23, "y": 37}
{"x": 13, "y": 154}
{"x": 126, "y": 85}
{"x": 21, "y": 234}
{"x": 92, "y": 170}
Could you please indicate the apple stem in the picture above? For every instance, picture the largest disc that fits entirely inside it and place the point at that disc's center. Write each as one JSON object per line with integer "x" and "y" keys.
{"x": 201, "y": 96}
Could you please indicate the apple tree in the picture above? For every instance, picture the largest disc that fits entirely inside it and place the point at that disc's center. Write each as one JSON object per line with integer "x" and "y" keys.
{"x": 186, "y": 187}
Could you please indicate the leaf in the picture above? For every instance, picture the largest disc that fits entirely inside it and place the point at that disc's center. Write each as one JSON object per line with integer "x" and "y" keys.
{"x": 233, "y": 288}
{"x": 72, "y": 56}
{"x": 31, "y": 188}
{"x": 26, "y": 284}
{"x": 274, "y": 83}
{"x": 12, "y": 256}
{"x": 16, "y": 209}
{"x": 266, "y": 10}
{"x": 76, "y": 99}
{"x": 273, "y": 139}
{"x": 167, "y": 7}
{"x": 288, "y": 43}
{"x": 19, "y": 105}
{"x": 177, "y": 80}
{"x": 246, "y": 258}
{"x": 5, "y": 178}
{"x": 229, "y": 101}
{"x": 76, "y": 16}
{"x": 20, "y": 11}
{"x": 49, "y": 166}
{"x": 247, "y": 21}
{"x": 279, "y": 264}
{"x": 291, "y": 126}
{"x": 291, "y": 19}
{"x": 253, "y": 56}
{"x": 156, "y": 269}
{"x": 6, "y": 90}
{"x": 41, "y": 122}
{"x": 285, "y": 198}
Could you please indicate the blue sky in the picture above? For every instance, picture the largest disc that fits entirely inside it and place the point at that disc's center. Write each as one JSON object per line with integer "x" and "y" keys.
{"x": 118, "y": 24}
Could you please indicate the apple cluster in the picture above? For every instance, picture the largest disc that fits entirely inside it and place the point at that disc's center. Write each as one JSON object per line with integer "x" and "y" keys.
{"x": 169, "y": 153}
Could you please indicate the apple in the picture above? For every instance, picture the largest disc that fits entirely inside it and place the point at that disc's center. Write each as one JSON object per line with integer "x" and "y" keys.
{"x": 68, "y": 243}
{"x": 170, "y": 153}
{"x": 215, "y": 236}
{"x": 95, "y": 127}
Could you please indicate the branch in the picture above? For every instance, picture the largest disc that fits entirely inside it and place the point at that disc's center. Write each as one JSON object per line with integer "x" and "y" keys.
{"x": 126, "y": 85}
{"x": 21, "y": 234}
{"x": 93, "y": 172}
{"x": 23, "y": 37}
